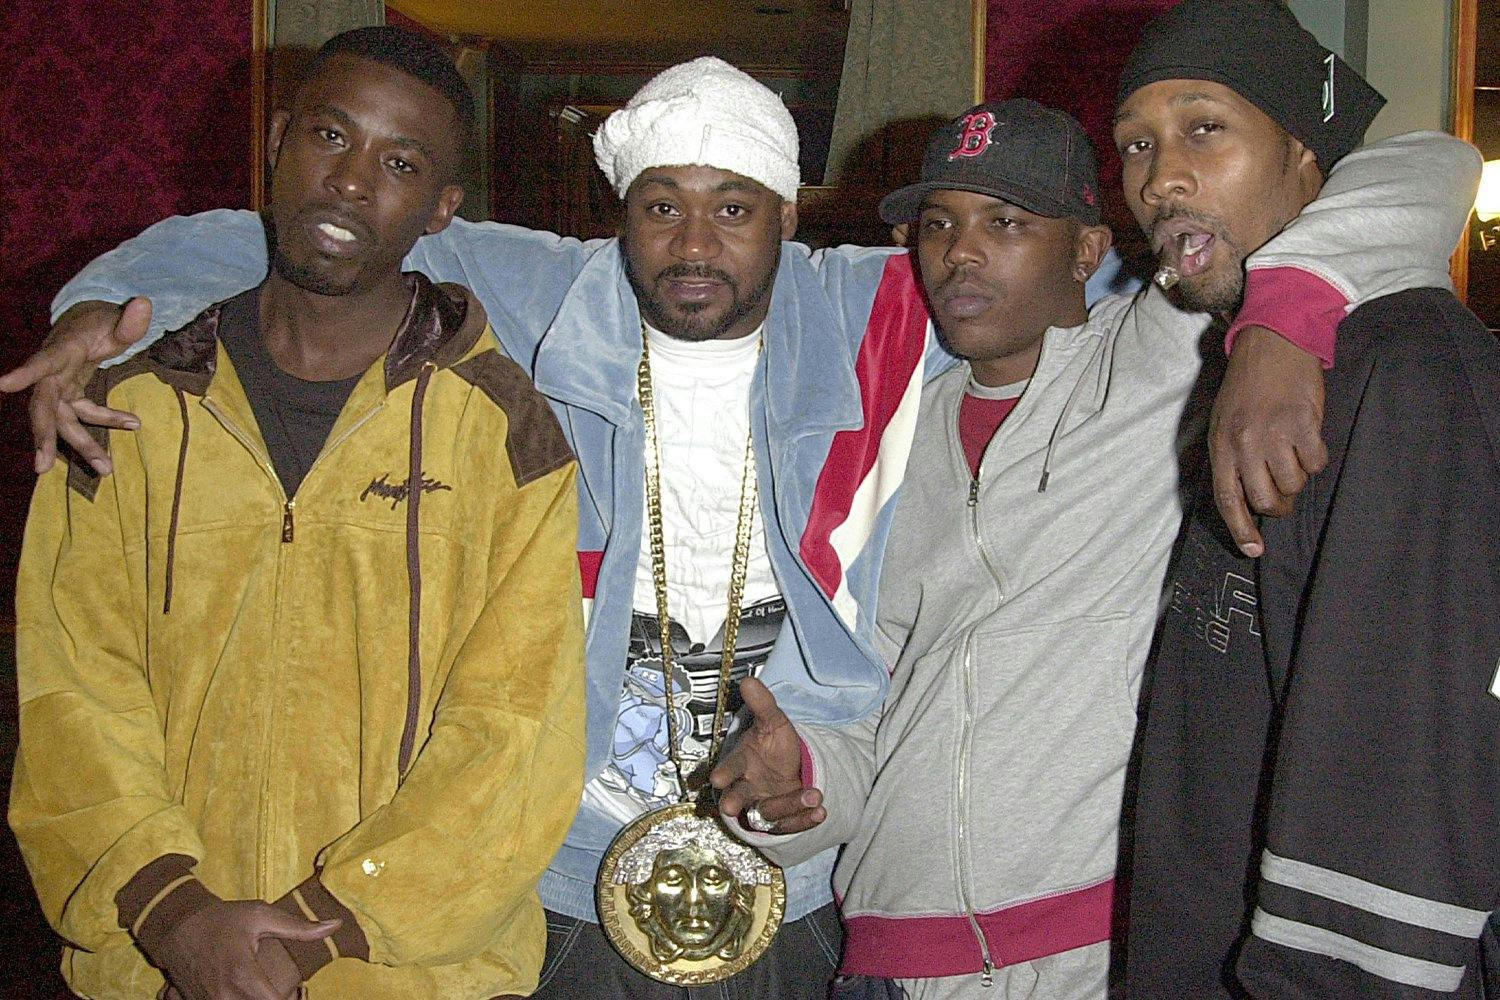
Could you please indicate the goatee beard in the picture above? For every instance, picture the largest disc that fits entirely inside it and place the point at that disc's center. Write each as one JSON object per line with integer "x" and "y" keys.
{"x": 688, "y": 324}
{"x": 1221, "y": 299}
{"x": 310, "y": 280}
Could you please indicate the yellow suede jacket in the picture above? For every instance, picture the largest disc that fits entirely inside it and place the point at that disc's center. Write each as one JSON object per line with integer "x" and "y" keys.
{"x": 365, "y": 703}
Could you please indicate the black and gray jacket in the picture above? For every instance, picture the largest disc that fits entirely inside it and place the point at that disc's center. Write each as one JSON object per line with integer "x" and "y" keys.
{"x": 1319, "y": 798}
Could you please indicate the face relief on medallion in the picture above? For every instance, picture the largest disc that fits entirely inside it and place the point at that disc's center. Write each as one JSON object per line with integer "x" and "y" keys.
{"x": 693, "y": 900}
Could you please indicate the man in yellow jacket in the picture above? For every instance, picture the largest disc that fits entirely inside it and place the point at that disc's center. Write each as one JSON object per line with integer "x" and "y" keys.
{"x": 302, "y": 682}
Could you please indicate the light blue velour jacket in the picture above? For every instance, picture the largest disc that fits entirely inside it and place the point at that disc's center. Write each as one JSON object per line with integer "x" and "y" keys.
{"x": 565, "y": 311}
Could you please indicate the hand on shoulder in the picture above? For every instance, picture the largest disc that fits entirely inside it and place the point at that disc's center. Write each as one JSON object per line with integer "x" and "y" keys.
{"x": 60, "y": 370}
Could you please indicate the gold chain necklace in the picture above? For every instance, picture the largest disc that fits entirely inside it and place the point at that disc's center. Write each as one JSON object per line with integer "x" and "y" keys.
{"x": 739, "y": 565}
{"x": 679, "y": 898}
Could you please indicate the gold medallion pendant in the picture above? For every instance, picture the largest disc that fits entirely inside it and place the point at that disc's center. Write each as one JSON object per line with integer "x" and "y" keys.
{"x": 684, "y": 902}
{"x": 681, "y": 899}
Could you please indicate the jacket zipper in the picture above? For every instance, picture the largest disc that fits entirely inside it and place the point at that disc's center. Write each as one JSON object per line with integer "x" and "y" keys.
{"x": 987, "y": 977}
{"x": 260, "y": 456}
{"x": 288, "y": 507}
{"x": 984, "y": 556}
{"x": 263, "y": 861}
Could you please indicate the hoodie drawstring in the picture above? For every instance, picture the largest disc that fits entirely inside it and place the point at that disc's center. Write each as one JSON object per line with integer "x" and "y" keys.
{"x": 166, "y": 601}
{"x": 414, "y": 572}
{"x": 1062, "y": 419}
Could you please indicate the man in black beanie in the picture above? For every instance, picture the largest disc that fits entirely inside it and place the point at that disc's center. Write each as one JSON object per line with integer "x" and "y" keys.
{"x": 1318, "y": 812}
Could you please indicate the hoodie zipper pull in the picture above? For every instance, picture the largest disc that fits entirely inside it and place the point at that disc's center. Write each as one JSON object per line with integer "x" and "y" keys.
{"x": 987, "y": 978}
{"x": 974, "y": 492}
{"x": 286, "y": 521}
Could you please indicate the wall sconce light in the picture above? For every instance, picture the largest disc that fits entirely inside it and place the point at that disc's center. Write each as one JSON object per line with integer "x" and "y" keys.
{"x": 1487, "y": 204}
{"x": 1487, "y": 201}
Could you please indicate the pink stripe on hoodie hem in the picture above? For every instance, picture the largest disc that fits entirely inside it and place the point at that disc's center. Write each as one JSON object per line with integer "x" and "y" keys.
{"x": 930, "y": 947}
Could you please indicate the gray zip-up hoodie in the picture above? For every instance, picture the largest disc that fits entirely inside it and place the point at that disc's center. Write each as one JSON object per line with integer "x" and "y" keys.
{"x": 1017, "y": 666}
{"x": 980, "y": 808}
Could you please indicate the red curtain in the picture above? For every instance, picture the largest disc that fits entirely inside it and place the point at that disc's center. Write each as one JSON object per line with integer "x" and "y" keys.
{"x": 113, "y": 115}
{"x": 1067, "y": 54}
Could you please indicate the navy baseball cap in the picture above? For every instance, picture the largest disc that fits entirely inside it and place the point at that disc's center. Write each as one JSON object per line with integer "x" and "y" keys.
{"x": 1017, "y": 150}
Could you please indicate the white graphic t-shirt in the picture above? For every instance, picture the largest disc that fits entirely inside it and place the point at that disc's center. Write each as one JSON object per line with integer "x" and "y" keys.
{"x": 702, "y": 396}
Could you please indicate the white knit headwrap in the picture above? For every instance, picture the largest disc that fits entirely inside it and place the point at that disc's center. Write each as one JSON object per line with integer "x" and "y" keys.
{"x": 701, "y": 113}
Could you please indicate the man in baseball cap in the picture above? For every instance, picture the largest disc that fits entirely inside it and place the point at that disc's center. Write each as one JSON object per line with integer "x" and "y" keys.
{"x": 1322, "y": 737}
{"x": 1005, "y": 227}
{"x": 1025, "y": 173}
{"x": 1019, "y": 590}
{"x": 1031, "y": 155}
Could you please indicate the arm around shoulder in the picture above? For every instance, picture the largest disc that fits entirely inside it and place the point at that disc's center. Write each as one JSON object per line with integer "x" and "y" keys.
{"x": 519, "y": 275}
{"x": 1387, "y": 219}
{"x": 183, "y": 265}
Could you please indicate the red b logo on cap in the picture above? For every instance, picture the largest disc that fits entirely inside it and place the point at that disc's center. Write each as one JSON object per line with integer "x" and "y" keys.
{"x": 975, "y": 137}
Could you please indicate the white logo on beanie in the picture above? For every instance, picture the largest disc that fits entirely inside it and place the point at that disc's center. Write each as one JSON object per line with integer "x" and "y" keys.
{"x": 1328, "y": 108}
{"x": 701, "y": 113}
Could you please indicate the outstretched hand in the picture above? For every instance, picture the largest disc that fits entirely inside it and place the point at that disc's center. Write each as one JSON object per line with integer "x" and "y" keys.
{"x": 1265, "y": 434}
{"x": 85, "y": 335}
{"x": 764, "y": 770}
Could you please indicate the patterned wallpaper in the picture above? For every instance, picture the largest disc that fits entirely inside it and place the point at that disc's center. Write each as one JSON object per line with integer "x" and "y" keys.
{"x": 113, "y": 114}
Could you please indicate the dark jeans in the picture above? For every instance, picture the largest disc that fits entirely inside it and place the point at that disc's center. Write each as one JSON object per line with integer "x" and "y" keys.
{"x": 581, "y": 965}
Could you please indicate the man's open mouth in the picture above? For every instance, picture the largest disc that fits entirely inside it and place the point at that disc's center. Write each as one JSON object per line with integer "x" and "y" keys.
{"x": 1186, "y": 246}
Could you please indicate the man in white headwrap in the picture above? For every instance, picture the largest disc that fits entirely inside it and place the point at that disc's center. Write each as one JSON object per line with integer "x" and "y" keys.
{"x": 808, "y": 363}
{"x": 702, "y": 112}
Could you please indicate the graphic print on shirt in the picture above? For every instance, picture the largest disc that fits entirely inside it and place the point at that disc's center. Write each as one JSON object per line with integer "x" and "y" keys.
{"x": 1218, "y": 601}
{"x": 702, "y": 406}
{"x": 640, "y": 770}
